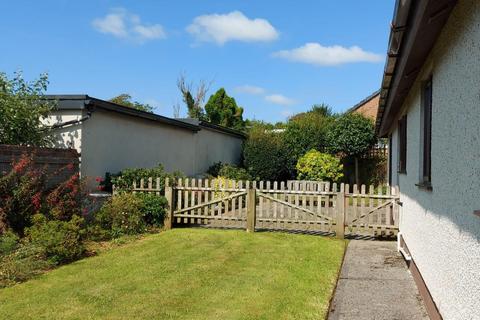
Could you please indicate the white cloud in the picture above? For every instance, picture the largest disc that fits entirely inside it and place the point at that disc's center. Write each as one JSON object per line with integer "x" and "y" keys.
{"x": 248, "y": 89}
{"x": 316, "y": 54}
{"x": 112, "y": 23}
{"x": 122, "y": 24}
{"x": 279, "y": 99}
{"x": 150, "y": 32}
{"x": 221, "y": 28}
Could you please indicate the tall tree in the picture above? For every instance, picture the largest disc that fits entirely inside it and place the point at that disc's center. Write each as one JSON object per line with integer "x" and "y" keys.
{"x": 222, "y": 109}
{"x": 125, "y": 100}
{"x": 194, "y": 103}
{"x": 23, "y": 111}
{"x": 351, "y": 134}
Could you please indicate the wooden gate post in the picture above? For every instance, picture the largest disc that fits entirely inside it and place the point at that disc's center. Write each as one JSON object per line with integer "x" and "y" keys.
{"x": 251, "y": 208}
{"x": 169, "y": 194}
{"x": 340, "y": 218}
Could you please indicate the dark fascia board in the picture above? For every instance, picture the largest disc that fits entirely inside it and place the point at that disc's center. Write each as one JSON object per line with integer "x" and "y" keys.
{"x": 69, "y": 102}
{"x": 361, "y": 103}
{"x": 424, "y": 23}
{"x": 222, "y": 129}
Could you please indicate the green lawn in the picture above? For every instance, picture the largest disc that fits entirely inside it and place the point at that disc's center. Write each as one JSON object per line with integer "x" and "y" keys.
{"x": 188, "y": 274}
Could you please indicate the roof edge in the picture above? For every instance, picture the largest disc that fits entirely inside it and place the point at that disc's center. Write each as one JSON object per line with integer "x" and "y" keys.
{"x": 234, "y": 132}
{"x": 415, "y": 28}
{"x": 191, "y": 124}
{"x": 365, "y": 100}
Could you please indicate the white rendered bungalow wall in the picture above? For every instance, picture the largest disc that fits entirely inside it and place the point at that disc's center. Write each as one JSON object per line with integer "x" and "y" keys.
{"x": 439, "y": 226}
{"x": 109, "y": 142}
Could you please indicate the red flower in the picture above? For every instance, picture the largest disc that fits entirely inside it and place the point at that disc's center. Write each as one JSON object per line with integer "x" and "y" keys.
{"x": 37, "y": 200}
{"x": 70, "y": 166}
{"x": 20, "y": 165}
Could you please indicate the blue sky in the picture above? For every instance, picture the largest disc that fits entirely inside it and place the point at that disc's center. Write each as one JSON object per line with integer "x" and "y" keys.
{"x": 275, "y": 57}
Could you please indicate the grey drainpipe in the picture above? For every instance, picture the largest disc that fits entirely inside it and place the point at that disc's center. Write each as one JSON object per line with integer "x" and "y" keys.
{"x": 88, "y": 106}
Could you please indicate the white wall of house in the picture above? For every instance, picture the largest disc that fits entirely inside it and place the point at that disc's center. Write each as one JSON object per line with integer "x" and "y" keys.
{"x": 70, "y": 136}
{"x": 439, "y": 227}
{"x": 110, "y": 141}
{"x": 113, "y": 141}
{"x": 212, "y": 146}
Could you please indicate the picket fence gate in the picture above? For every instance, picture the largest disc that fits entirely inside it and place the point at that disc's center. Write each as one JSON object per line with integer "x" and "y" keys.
{"x": 303, "y": 206}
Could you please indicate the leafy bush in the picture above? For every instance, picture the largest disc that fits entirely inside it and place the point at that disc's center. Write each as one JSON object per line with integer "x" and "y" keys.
{"x": 234, "y": 173}
{"x": 24, "y": 192}
{"x": 264, "y": 155}
{"x": 66, "y": 199}
{"x": 22, "y": 264}
{"x": 60, "y": 240}
{"x": 21, "y": 192}
{"x": 8, "y": 242}
{"x": 228, "y": 171}
{"x": 214, "y": 169}
{"x": 318, "y": 166}
{"x": 153, "y": 208}
{"x": 124, "y": 179}
{"x": 121, "y": 215}
{"x": 304, "y": 132}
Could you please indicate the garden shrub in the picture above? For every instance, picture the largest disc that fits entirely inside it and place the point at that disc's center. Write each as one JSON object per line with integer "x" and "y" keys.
{"x": 124, "y": 179}
{"x": 318, "y": 166}
{"x": 8, "y": 242}
{"x": 234, "y": 173}
{"x": 228, "y": 171}
{"x": 22, "y": 264}
{"x": 153, "y": 208}
{"x": 122, "y": 214}
{"x": 61, "y": 240}
{"x": 264, "y": 155}
{"x": 24, "y": 192}
{"x": 214, "y": 169}
{"x": 66, "y": 199}
{"x": 21, "y": 192}
{"x": 304, "y": 132}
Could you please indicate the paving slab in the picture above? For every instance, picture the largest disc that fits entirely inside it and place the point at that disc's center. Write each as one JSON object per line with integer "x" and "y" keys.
{"x": 375, "y": 284}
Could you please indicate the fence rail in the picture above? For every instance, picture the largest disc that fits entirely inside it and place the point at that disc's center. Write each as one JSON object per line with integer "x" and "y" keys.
{"x": 326, "y": 207}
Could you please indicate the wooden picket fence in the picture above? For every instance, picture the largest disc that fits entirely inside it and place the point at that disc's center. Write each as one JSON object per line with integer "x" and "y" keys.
{"x": 304, "y": 206}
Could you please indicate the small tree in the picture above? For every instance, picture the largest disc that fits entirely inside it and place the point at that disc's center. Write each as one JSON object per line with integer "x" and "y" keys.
{"x": 318, "y": 166}
{"x": 223, "y": 110}
{"x": 194, "y": 104}
{"x": 351, "y": 134}
{"x": 23, "y": 109}
{"x": 125, "y": 100}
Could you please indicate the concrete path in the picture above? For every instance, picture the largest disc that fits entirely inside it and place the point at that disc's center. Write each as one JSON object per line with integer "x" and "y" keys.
{"x": 375, "y": 284}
